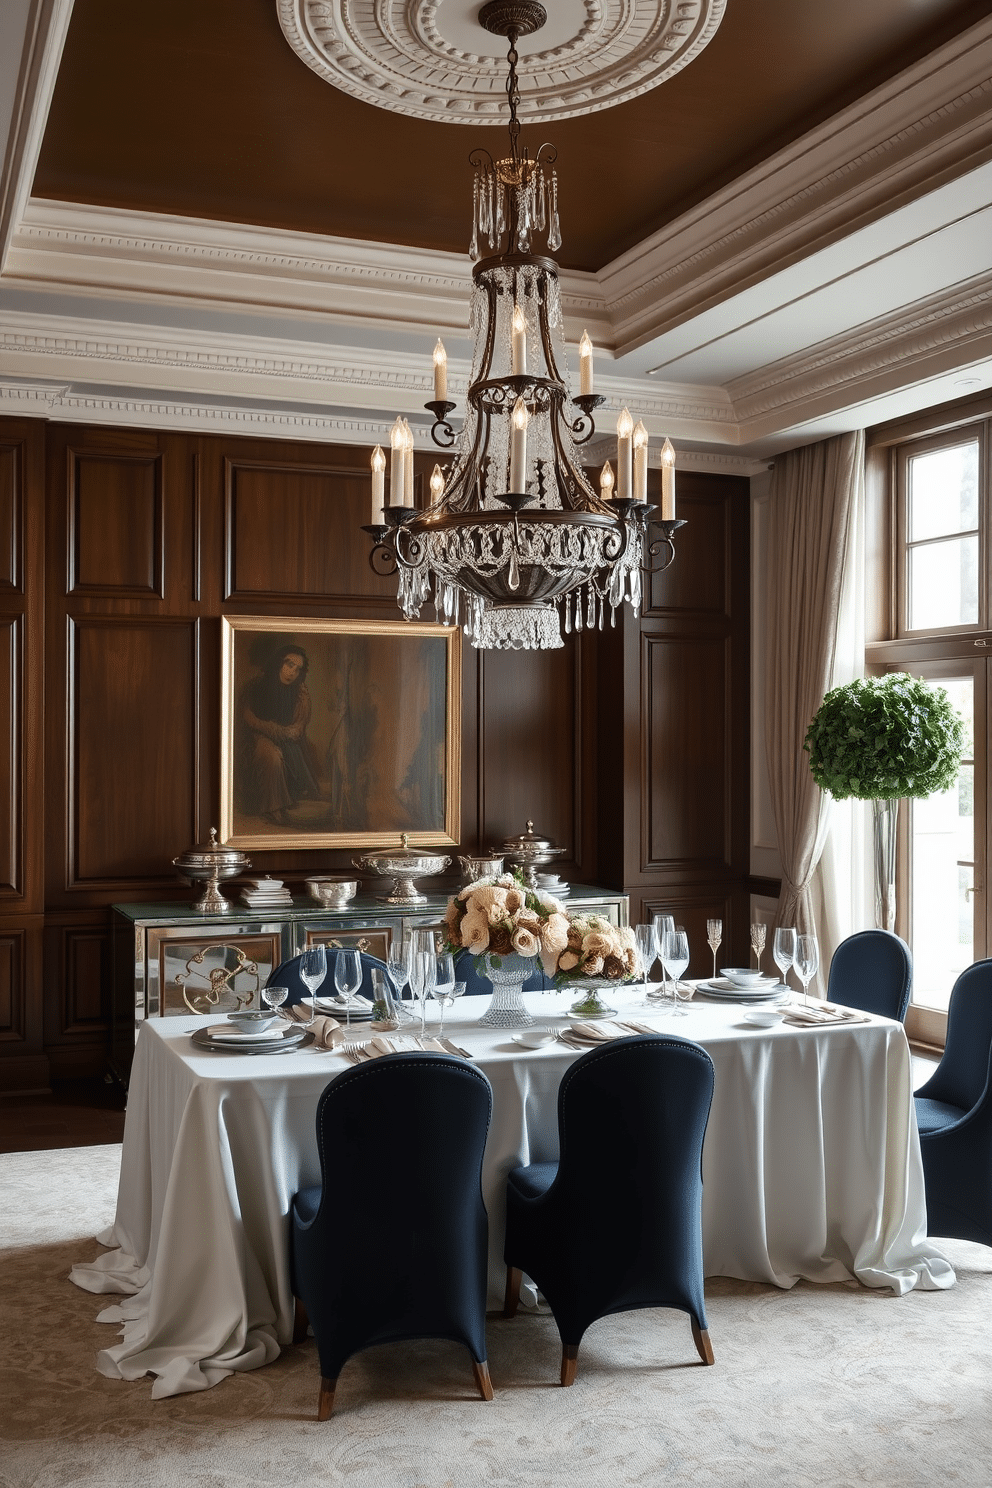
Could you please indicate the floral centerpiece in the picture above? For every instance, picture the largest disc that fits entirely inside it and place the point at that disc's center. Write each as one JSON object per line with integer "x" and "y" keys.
{"x": 508, "y": 926}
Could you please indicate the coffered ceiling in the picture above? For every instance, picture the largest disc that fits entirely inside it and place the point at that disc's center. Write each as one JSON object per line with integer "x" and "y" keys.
{"x": 789, "y": 236}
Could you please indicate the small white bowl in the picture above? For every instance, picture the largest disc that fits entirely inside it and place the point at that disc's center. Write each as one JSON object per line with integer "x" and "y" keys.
{"x": 252, "y": 1022}
{"x": 741, "y": 976}
{"x": 763, "y": 1017}
{"x": 534, "y": 1038}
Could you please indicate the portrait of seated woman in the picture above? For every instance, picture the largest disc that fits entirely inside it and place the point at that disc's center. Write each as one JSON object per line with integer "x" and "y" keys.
{"x": 278, "y": 762}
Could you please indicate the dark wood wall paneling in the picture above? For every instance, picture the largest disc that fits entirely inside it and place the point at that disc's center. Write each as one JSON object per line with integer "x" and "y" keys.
{"x": 673, "y": 704}
{"x": 147, "y": 539}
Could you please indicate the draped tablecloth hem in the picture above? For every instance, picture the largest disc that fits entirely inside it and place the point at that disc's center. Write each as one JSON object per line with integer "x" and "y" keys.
{"x": 116, "y": 1271}
{"x": 178, "y": 1374}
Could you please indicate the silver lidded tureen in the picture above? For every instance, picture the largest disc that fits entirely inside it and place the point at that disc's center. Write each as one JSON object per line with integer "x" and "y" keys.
{"x": 530, "y": 851}
{"x": 209, "y": 862}
{"x": 403, "y": 864}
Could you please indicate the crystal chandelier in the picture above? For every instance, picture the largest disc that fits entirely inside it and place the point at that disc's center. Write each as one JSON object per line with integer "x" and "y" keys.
{"x": 515, "y": 538}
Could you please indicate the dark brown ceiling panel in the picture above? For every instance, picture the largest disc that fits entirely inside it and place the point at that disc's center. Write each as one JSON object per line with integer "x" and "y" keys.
{"x": 200, "y": 108}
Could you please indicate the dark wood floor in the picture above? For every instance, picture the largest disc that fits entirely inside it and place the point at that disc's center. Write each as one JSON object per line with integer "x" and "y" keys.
{"x": 76, "y": 1113}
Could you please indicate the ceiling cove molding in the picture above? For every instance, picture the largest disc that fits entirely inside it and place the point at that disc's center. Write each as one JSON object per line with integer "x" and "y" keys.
{"x": 928, "y": 125}
{"x": 429, "y": 60}
{"x": 35, "y": 31}
{"x": 936, "y": 335}
{"x": 122, "y": 355}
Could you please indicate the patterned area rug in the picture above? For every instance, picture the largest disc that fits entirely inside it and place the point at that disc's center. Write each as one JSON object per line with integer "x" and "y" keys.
{"x": 834, "y": 1386}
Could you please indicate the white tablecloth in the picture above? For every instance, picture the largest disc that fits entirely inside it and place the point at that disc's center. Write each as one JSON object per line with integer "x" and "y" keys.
{"x": 811, "y": 1168}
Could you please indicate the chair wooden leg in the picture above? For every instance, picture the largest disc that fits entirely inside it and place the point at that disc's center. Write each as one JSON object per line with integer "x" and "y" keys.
{"x": 482, "y": 1379}
{"x": 300, "y": 1322}
{"x": 701, "y": 1338}
{"x": 569, "y": 1362}
{"x": 325, "y": 1400}
{"x": 511, "y": 1299}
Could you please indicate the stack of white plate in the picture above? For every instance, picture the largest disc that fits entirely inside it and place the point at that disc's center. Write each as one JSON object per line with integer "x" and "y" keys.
{"x": 279, "y": 1038}
{"x": 761, "y": 989}
{"x": 357, "y": 1008}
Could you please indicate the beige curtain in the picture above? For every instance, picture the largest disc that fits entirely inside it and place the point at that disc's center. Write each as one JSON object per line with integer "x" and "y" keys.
{"x": 815, "y": 511}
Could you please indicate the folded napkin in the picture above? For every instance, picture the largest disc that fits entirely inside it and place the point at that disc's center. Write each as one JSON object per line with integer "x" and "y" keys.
{"x": 822, "y": 1013}
{"x": 400, "y": 1043}
{"x": 227, "y": 1033}
{"x": 601, "y": 1033}
{"x": 327, "y": 1032}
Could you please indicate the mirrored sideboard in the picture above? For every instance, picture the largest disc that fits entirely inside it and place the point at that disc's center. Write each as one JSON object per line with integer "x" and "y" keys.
{"x": 169, "y": 959}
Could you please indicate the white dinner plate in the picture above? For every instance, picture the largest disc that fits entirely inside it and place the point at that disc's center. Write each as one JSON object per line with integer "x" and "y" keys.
{"x": 770, "y": 995}
{"x": 294, "y": 1037}
{"x": 361, "y": 1008}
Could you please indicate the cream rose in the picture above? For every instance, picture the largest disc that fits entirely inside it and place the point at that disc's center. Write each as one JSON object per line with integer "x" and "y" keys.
{"x": 567, "y": 961}
{"x": 475, "y": 933}
{"x": 524, "y": 942}
{"x": 554, "y": 939}
{"x": 592, "y": 965}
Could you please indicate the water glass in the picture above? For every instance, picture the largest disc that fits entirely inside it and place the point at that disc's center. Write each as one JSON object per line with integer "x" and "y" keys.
{"x": 274, "y": 997}
{"x": 313, "y": 970}
{"x": 784, "y": 950}
{"x": 662, "y": 924}
{"x": 443, "y": 990}
{"x": 347, "y": 979}
{"x": 807, "y": 962}
{"x": 398, "y": 966}
{"x": 675, "y": 955}
{"x": 647, "y": 949}
{"x": 423, "y": 970}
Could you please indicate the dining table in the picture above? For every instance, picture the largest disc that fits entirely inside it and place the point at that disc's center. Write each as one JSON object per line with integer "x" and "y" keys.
{"x": 811, "y": 1170}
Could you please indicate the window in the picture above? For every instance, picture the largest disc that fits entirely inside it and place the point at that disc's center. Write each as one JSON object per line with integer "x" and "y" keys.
{"x": 930, "y": 526}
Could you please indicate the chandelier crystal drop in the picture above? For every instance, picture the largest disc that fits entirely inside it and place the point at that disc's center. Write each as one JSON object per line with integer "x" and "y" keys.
{"x": 515, "y": 540}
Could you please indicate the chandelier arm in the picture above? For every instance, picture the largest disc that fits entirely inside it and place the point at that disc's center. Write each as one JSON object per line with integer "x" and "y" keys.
{"x": 440, "y": 410}
{"x": 563, "y": 463}
{"x": 382, "y": 558}
{"x": 658, "y": 545}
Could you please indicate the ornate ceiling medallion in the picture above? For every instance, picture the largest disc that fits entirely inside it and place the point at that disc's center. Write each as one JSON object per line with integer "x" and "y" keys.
{"x": 429, "y": 58}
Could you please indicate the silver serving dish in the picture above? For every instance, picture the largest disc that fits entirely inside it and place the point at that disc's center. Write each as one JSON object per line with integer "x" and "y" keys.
{"x": 483, "y": 867}
{"x": 208, "y": 863}
{"x": 333, "y": 891}
{"x": 403, "y": 865}
{"x": 530, "y": 851}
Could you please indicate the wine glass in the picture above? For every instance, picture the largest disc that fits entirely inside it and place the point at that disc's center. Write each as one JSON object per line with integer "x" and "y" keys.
{"x": 675, "y": 955}
{"x": 274, "y": 997}
{"x": 423, "y": 970}
{"x": 398, "y": 966}
{"x": 662, "y": 924}
{"x": 647, "y": 949}
{"x": 443, "y": 990}
{"x": 806, "y": 962}
{"x": 313, "y": 970}
{"x": 714, "y": 939}
{"x": 784, "y": 951}
{"x": 758, "y": 934}
{"x": 347, "y": 979}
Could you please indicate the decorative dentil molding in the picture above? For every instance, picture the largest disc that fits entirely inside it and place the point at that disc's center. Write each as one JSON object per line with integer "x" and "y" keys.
{"x": 399, "y": 55}
{"x": 24, "y": 111}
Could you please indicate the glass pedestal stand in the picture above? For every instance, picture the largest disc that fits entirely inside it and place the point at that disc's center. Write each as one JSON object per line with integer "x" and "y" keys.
{"x": 590, "y": 1004}
{"x": 507, "y": 974}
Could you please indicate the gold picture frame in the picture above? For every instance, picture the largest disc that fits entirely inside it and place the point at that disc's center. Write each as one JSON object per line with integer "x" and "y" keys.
{"x": 339, "y": 733}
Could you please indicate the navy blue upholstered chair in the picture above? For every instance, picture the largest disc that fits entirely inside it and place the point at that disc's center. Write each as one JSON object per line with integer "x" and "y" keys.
{"x": 616, "y": 1223}
{"x": 433, "y": 1283}
{"x": 873, "y": 971}
{"x": 954, "y": 1115}
{"x": 478, "y": 985}
{"x": 288, "y": 975}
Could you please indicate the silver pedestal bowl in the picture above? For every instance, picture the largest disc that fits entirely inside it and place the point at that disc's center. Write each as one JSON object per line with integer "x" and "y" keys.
{"x": 403, "y": 865}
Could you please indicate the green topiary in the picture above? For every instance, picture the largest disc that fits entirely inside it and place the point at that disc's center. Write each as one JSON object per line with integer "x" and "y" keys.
{"x": 885, "y": 737}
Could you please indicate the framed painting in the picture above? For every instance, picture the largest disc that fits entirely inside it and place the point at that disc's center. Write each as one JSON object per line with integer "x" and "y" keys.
{"x": 339, "y": 733}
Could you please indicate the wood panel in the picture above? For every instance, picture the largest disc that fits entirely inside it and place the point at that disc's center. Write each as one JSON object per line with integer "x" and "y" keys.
{"x": 134, "y": 748}
{"x": 13, "y": 990}
{"x": 530, "y": 746}
{"x": 11, "y": 509}
{"x": 295, "y": 530}
{"x": 698, "y": 580}
{"x": 684, "y": 751}
{"x": 116, "y": 517}
{"x": 11, "y": 790}
{"x": 85, "y": 964}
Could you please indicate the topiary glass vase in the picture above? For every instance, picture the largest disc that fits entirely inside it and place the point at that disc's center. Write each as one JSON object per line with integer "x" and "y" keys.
{"x": 885, "y": 817}
{"x": 507, "y": 974}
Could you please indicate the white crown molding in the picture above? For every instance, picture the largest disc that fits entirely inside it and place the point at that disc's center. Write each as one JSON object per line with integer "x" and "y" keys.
{"x": 929, "y": 124}
{"x": 415, "y": 60}
{"x": 942, "y": 333}
{"x": 35, "y": 31}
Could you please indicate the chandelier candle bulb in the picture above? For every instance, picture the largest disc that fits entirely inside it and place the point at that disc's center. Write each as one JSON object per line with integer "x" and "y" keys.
{"x": 640, "y": 462}
{"x": 667, "y": 482}
{"x": 440, "y": 373}
{"x": 396, "y": 467}
{"x": 606, "y": 479}
{"x": 378, "y": 484}
{"x": 407, "y": 464}
{"x": 625, "y": 433}
{"x": 518, "y": 343}
{"x": 518, "y": 447}
{"x": 437, "y": 483}
{"x": 585, "y": 366}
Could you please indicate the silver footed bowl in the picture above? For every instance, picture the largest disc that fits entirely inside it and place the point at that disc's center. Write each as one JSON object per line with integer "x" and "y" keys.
{"x": 332, "y": 891}
{"x": 403, "y": 865}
